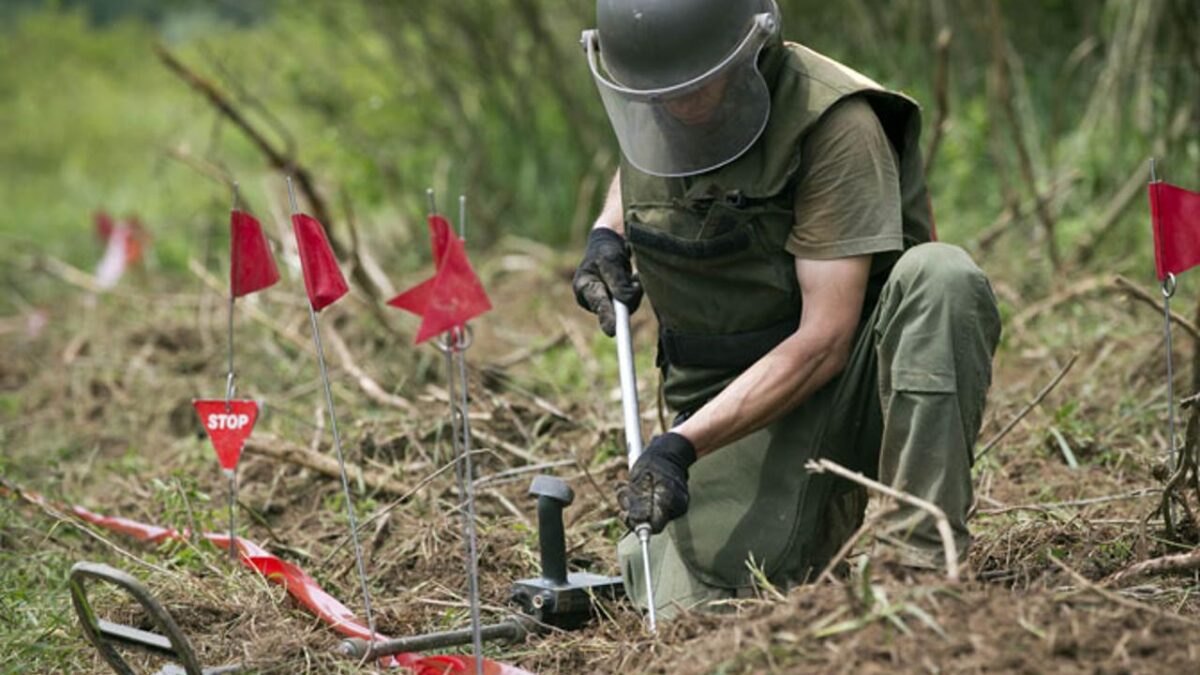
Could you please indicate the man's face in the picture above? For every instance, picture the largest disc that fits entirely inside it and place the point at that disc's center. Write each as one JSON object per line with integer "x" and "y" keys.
{"x": 698, "y": 106}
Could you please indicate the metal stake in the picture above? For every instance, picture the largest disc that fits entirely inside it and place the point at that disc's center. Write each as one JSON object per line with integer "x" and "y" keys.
{"x": 229, "y": 387}
{"x": 633, "y": 437}
{"x": 233, "y": 549}
{"x": 1168, "y": 287}
{"x": 337, "y": 445}
{"x": 463, "y": 343}
{"x": 454, "y": 344}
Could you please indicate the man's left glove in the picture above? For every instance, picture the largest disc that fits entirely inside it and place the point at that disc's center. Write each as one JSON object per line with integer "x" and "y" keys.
{"x": 606, "y": 272}
{"x": 657, "y": 491}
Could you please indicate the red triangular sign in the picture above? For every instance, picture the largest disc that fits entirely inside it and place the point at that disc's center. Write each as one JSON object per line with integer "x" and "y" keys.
{"x": 228, "y": 425}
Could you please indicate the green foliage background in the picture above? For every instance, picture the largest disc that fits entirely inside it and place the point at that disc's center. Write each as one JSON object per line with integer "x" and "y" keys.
{"x": 492, "y": 97}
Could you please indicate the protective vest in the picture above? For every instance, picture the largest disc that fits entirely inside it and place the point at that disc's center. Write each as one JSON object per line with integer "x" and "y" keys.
{"x": 710, "y": 248}
{"x": 710, "y": 252}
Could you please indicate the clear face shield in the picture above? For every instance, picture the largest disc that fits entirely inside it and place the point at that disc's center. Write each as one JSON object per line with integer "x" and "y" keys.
{"x": 695, "y": 126}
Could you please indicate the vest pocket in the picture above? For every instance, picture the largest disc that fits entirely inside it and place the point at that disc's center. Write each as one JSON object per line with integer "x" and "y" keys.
{"x": 727, "y": 243}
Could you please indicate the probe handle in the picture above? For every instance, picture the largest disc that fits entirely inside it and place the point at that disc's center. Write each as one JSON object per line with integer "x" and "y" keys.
{"x": 629, "y": 394}
{"x": 633, "y": 435}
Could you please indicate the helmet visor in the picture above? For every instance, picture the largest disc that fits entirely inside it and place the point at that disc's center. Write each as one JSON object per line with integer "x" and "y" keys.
{"x": 695, "y": 126}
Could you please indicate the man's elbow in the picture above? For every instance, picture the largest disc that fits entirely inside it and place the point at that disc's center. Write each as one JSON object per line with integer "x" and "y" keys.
{"x": 828, "y": 349}
{"x": 835, "y": 350}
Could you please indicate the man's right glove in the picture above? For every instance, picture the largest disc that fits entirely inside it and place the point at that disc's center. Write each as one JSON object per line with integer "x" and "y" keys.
{"x": 657, "y": 491}
{"x": 606, "y": 273}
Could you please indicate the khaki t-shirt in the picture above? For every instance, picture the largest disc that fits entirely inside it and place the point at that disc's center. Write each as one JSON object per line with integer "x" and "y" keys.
{"x": 848, "y": 192}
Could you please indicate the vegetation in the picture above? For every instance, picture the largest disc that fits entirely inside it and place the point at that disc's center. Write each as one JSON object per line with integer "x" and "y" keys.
{"x": 1040, "y": 118}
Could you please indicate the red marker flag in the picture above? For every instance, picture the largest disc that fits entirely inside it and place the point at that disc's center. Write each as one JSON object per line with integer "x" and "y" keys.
{"x": 228, "y": 427}
{"x": 1175, "y": 215}
{"x": 104, "y": 224}
{"x": 454, "y": 295}
{"x": 322, "y": 278}
{"x": 253, "y": 267}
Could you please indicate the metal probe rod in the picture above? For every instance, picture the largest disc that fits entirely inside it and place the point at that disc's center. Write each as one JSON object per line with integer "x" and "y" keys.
{"x": 633, "y": 436}
{"x": 512, "y": 630}
{"x": 229, "y": 388}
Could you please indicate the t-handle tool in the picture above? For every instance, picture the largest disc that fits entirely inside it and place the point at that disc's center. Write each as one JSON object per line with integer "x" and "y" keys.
{"x": 633, "y": 436}
{"x": 559, "y": 598}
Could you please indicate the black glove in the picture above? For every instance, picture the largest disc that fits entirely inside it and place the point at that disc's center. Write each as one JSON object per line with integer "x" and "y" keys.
{"x": 605, "y": 273}
{"x": 657, "y": 491}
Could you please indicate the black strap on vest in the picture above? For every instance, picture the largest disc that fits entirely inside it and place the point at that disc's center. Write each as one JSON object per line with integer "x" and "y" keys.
{"x": 731, "y": 350}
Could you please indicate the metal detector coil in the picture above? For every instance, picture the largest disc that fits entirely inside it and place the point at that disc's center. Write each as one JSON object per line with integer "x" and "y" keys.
{"x": 106, "y": 636}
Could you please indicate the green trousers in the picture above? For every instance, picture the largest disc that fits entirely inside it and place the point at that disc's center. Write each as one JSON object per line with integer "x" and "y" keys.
{"x": 906, "y": 409}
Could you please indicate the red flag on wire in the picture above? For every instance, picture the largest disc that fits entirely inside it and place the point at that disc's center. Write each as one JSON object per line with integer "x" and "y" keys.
{"x": 104, "y": 224}
{"x": 253, "y": 267}
{"x": 322, "y": 278}
{"x": 118, "y": 254}
{"x": 1175, "y": 214}
{"x": 454, "y": 295}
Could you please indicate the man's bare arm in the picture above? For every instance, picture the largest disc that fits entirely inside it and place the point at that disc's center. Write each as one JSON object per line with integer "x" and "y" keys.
{"x": 833, "y": 292}
{"x": 611, "y": 215}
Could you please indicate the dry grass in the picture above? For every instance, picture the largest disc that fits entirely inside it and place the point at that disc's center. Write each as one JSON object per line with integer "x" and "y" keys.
{"x": 97, "y": 411}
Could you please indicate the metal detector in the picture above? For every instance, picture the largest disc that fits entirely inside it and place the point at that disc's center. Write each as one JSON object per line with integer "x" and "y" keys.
{"x": 106, "y": 636}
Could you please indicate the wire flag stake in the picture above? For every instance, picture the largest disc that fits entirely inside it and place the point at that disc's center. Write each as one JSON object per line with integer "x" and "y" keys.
{"x": 454, "y": 344}
{"x": 229, "y": 385}
{"x": 337, "y": 439}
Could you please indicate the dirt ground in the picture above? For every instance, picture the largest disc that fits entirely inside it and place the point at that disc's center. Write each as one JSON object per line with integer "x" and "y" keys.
{"x": 96, "y": 410}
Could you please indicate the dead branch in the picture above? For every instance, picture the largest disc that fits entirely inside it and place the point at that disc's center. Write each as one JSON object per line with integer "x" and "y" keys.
{"x": 1116, "y": 598}
{"x": 1029, "y": 408}
{"x": 1131, "y": 188}
{"x": 1138, "y": 293}
{"x": 275, "y": 448}
{"x": 254, "y": 312}
{"x": 1016, "y": 210}
{"x": 525, "y": 353}
{"x": 384, "y": 511}
{"x": 201, "y": 166}
{"x": 1186, "y": 474}
{"x": 941, "y": 96}
{"x": 1080, "y": 288}
{"x": 870, "y": 522}
{"x": 70, "y": 274}
{"x": 280, "y": 160}
{"x": 1005, "y": 97}
{"x": 369, "y": 386}
{"x": 1182, "y": 562}
{"x": 949, "y": 549}
{"x": 512, "y": 449}
{"x": 1092, "y": 285}
{"x": 1074, "y": 503}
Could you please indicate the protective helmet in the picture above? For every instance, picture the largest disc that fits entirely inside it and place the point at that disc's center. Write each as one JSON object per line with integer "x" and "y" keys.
{"x": 680, "y": 79}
